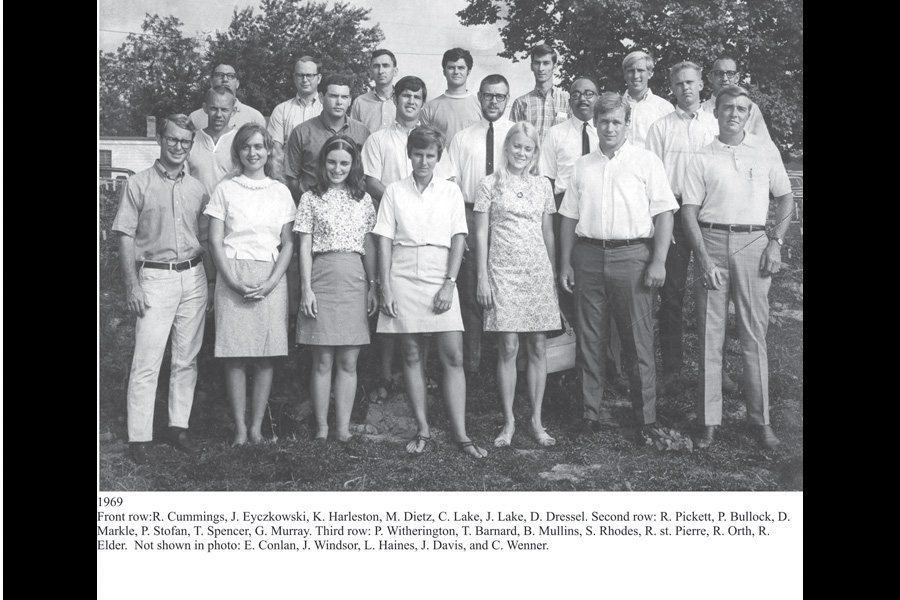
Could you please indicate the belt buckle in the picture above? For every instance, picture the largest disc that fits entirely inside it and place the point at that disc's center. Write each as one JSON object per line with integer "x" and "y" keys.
{"x": 731, "y": 228}
{"x": 182, "y": 266}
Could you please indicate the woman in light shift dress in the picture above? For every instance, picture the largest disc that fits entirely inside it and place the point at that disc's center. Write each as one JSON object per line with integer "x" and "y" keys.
{"x": 422, "y": 229}
{"x": 516, "y": 286}
{"x": 250, "y": 240}
{"x": 337, "y": 278}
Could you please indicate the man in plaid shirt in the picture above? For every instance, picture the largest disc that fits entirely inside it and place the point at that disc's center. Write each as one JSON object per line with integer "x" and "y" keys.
{"x": 544, "y": 106}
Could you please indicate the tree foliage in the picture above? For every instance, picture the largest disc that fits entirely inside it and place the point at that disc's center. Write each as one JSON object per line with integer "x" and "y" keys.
{"x": 161, "y": 71}
{"x": 262, "y": 47}
{"x": 154, "y": 73}
{"x": 593, "y": 36}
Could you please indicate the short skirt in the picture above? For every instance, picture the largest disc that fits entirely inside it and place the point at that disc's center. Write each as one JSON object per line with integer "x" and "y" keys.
{"x": 339, "y": 283}
{"x": 417, "y": 273}
{"x": 251, "y": 327}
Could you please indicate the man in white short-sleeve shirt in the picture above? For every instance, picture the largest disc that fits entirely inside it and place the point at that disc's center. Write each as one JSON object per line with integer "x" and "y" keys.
{"x": 646, "y": 107}
{"x": 616, "y": 229}
{"x": 210, "y": 159}
{"x": 724, "y": 72}
{"x": 227, "y": 76}
{"x": 725, "y": 205}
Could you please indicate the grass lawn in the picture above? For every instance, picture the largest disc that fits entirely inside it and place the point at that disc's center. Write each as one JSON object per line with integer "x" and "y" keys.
{"x": 609, "y": 461}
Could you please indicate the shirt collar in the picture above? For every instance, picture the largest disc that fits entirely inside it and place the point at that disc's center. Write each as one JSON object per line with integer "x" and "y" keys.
{"x": 237, "y": 105}
{"x": 578, "y": 123}
{"x": 379, "y": 98}
{"x": 621, "y": 152}
{"x": 465, "y": 94}
{"x": 412, "y": 183}
{"x": 631, "y": 100}
{"x": 539, "y": 91}
{"x": 749, "y": 141}
{"x": 161, "y": 170}
{"x": 328, "y": 127}
{"x": 682, "y": 114}
{"x": 312, "y": 102}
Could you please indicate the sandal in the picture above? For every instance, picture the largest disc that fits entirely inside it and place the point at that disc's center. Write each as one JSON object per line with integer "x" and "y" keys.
{"x": 543, "y": 438}
{"x": 502, "y": 441}
{"x": 463, "y": 447}
{"x": 382, "y": 391}
{"x": 414, "y": 449}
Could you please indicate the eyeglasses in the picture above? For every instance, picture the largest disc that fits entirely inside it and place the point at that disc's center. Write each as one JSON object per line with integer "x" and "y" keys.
{"x": 497, "y": 97}
{"x": 587, "y": 95}
{"x": 222, "y": 75}
{"x": 305, "y": 75}
{"x": 726, "y": 74}
{"x": 172, "y": 142}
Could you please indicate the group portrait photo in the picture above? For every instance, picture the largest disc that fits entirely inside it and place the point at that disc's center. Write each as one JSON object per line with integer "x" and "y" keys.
{"x": 477, "y": 245}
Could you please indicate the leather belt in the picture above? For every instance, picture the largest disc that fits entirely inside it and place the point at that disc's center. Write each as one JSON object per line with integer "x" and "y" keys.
{"x": 615, "y": 243}
{"x": 733, "y": 228}
{"x": 182, "y": 266}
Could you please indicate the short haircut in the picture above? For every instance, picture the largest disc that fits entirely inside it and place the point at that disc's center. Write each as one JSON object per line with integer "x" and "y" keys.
{"x": 726, "y": 57}
{"x": 219, "y": 90}
{"x": 635, "y": 56}
{"x": 610, "y": 101}
{"x": 454, "y": 54}
{"x": 411, "y": 83}
{"x": 586, "y": 78}
{"x": 425, "y": 136}
{"x": 732, "y": 91}
{"x": 181, "y": 121}
{"x": 683, "y": 66}
{"x": 272, "y": 168}
{"x": 383, "y": 52}
{"x": 544, "y": 50}
{"x": 356, "y": 179}
{"x": 335, "y": 79}
{"x": 222, "y": 64}
{"x": 309, "y": 59}
{"x": 493, "y": 79}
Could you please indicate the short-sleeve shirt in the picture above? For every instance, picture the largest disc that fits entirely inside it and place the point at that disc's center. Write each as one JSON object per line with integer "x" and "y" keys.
{"x": 211, "y": 161}
{"x": 755, "y": 124}
{"x": 468, "y": 151}
{"x": 451, "y": 114}
{"x": 432, "y": 217}
{"x": 162, "y": 214}
{"x": 373, "y": 111}
{"x": 616, "y": 198}
{"x": 291, "y": 113}
{"x": 562, "y": 147}
{"x": 541, "y": 109}
{"x": 337, "y": 221}
{"x": 302, "y": 150}
{"x": 254, "y": 212}
{"x": 676, "y": 137}
{"x": 731, "y": 184}
{"x": 644, "y": 114}
{"x": 241, "y": 115}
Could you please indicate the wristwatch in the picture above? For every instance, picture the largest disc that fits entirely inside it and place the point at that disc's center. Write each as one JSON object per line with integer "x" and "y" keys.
{"x": 450, "y": 279}
{"x": 777, "y": 239}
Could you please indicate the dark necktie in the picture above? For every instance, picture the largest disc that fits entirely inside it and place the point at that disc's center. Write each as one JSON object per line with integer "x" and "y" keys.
{"x": 489, "y": 150}
{"x": 585, "y": 142}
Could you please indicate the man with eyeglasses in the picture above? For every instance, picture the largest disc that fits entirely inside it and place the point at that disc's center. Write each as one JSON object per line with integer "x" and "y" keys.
{"x": 474, "y": 153}
{"x": 302, "y": 107}
{"x": 646, "y": 107}
{"x": 457, "y": 108}
{"x": 544, "y": 106}
{"x": 226, "y": 75}
{"x": 162, "y": 250}
{"x": 376, "y": 108}
{"x": 726, "y": 203}
{"x": 724, "y": 72}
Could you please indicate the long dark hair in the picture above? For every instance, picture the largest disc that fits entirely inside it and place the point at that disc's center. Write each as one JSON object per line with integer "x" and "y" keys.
{"x": 356, "y": 181}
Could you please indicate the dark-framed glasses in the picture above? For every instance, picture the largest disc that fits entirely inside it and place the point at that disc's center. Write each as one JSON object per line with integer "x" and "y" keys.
{"x": 305, "y": 75}
{"x": 726, "y": 74}
{"x": 171, "y": 142}
{"x": 497, "y": 97}
{"x": 587, "y": 95}
{"x": 222, "y": 75}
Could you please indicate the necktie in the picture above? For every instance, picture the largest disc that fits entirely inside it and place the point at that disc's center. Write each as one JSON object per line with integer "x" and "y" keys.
{"x": 489, "y": 150}
{"x": 585, "y": 142}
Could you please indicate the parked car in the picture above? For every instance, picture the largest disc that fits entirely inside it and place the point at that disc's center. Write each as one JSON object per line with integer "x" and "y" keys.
{"x": 115, "y": 173}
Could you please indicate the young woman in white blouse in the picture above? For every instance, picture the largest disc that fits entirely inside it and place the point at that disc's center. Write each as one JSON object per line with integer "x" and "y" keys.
{"x": 337, "y": 278}
{"x": 251, "y": 243}
{"x": 422, "y": 229}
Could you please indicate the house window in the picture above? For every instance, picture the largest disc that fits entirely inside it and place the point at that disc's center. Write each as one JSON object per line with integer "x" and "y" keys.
{"x": 106, "y": 158}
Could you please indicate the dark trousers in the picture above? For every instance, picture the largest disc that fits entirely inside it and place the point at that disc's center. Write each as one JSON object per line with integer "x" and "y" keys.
{"x": 671, "y": 297}
{"x": 472, "y": 313}
{"x": 609, "y": 286}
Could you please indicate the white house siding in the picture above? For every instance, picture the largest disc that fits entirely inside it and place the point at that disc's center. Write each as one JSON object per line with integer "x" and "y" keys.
{"x": 136, "y": 154}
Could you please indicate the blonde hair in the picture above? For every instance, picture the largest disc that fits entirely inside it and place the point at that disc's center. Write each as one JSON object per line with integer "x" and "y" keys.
{"x": 502, "y": 174}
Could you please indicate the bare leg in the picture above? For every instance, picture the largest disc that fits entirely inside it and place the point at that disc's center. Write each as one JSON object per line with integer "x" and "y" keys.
{"x": 320, "y": 387}
{"x": 344, "y": 389}
{"x": 262, "y": 386}
{"x": 414, "y": 378}
{"x": 236, "y": 389}
{"x": 449, "y": 344}
{"x": 507, "y": 350}
{"x": 537, "y": 381}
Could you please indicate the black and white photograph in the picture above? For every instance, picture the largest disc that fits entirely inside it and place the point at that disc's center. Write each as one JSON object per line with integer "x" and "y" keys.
{"x": 476, "y": 246}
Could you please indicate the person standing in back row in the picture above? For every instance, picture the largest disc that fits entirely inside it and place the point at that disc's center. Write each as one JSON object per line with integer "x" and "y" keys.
{"x": 457, "y": 108}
